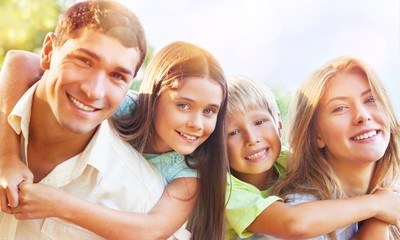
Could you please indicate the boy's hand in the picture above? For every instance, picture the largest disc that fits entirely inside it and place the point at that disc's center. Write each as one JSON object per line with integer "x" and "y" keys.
{"x": 12, "y": 173}
{"x": 388, "y": 205}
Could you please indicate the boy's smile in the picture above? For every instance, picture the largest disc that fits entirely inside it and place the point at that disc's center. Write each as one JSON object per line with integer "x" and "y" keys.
{"x": 253, "y": 142}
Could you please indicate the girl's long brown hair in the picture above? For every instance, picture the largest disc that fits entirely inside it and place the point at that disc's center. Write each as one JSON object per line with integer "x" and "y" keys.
{"x": 167, "y": 69}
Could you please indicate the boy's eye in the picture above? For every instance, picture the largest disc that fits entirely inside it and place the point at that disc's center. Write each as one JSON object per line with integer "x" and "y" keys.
{"x": 259, "y": 122}
{"x": 233, "y": 133}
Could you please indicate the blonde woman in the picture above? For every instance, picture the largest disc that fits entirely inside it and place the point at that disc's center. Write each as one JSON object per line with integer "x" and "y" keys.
{"x": 344, "y": 141}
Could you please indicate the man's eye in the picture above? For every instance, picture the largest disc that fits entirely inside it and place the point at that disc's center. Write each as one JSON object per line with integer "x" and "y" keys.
{"x": 85, "y": 61}
{"x": 118, "y": 76}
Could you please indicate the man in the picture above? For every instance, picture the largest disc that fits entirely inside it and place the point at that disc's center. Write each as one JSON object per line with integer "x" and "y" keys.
{"x": 89, "y": 62}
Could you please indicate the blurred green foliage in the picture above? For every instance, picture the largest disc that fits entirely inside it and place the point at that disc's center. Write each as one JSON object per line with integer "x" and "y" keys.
{"x": 24, "y": 23}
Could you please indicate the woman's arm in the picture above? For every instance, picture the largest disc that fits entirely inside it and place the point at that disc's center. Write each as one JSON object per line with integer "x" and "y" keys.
{"x": 316, "y": 218}
{"x": 19, "y": 71}
{"x": 169, "y": 214}
{"x": 373, "y": 229}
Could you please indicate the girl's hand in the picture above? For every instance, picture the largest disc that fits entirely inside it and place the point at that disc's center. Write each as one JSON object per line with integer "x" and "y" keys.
{"x": 12, "y": 173}
{"x": 39, "y": 201}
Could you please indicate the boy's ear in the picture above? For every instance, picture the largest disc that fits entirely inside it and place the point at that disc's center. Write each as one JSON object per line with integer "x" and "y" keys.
{"x": 47, "y": 51}
{"x": 280, "y": 125}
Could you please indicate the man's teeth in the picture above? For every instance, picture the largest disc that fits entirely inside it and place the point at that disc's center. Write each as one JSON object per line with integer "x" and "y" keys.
{"x": 81, "y": 105}
{"x": 254, "y": 156}
{"x": 188, "y": 136}
{"x": 365, "y": 135}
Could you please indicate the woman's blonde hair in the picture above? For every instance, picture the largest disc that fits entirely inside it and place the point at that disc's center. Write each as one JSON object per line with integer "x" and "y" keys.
{"x": 308, "y": 170}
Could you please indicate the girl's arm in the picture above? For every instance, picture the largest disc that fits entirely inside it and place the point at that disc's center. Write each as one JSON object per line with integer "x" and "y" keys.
{"x": 19, "y": 71}
{"x": 169, "y": 214}
{"x": 316, "y": 218}
{"x": 373, "y": 229}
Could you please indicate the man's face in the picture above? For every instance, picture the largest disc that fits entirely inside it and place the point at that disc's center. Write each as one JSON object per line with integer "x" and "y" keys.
{"x": 87, "y": 79}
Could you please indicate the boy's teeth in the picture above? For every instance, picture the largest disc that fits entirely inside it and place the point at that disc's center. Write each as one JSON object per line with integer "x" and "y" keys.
{"x": 188, "y": 136}
{"x": 254, "y": 156}
{"x": 81, "y": 105}
{"x": 365, "y": 135}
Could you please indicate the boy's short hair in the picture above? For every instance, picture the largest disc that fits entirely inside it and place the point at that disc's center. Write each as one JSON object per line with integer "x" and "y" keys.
{"x": 245, "y": 94}
{"x": 104, "y": 16}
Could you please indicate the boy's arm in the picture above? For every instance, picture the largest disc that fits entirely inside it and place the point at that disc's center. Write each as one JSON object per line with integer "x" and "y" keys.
{"x": 161, "y": 222}
{"x": 19, "y": 71}
{"x": 373, "y": 229}
{"x": 316, "y": 218}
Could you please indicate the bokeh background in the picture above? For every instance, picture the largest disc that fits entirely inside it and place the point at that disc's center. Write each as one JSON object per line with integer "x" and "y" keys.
{"x": 280, "y": 42}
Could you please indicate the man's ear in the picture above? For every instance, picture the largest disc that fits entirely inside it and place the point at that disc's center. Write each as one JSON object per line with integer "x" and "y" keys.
{"x": 47, "y": 51}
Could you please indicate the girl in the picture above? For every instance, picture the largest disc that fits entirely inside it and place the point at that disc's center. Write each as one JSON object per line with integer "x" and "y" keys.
{"x": 344, "y": 140}
{"x": 257, "y": 162}
{"x": 180, "y": 131}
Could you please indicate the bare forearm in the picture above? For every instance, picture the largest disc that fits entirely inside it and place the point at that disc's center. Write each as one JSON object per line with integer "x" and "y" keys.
{"x": 161, "y": 222}
{"x": 373, "y": 229}
{"x": 19, "y": 71}
{"x": 313, "y": 219}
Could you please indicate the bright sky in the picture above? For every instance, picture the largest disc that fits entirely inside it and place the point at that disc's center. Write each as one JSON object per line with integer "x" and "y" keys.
{"x": 281, "y": 42}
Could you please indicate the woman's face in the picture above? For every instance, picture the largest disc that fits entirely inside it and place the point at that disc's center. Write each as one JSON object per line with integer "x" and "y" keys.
{"x": 349, "y": 124}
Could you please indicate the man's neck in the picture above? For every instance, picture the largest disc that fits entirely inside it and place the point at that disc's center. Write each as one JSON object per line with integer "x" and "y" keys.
{"x": 49, "y": 143}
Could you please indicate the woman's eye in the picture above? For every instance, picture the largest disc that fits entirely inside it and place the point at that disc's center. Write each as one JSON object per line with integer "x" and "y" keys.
{"x": 370, "y": 100}
{"x": 339, "y": 109}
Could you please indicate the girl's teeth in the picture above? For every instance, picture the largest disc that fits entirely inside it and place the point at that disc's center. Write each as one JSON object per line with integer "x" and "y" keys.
{"x": 254, "y": 156}
{"x": 365, "y": 135}
{"x": 188, "y": 136}
{"x": 81, "y": 105}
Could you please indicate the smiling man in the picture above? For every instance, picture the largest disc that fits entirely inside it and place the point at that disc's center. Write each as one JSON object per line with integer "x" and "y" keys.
{"x": 89, "y": 62}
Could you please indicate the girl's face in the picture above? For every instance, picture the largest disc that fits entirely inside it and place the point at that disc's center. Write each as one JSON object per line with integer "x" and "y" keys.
{"x": 186, "y": 117}
{"x": 253, "y": 142}
{"x": 349, "y": 124}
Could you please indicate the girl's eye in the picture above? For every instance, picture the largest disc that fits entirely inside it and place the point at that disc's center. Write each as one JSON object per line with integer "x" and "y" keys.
{"x": 209, "y": 111}
{"x": 233, "y": 133}
{"x": 183, "y": 106}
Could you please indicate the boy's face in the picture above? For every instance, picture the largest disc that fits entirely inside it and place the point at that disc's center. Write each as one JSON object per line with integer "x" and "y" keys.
{"x": 87, "y": 78}
{"x": 253, "y": 142}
